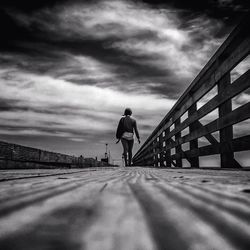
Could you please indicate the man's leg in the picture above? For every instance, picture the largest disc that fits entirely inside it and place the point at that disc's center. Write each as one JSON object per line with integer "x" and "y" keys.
{"x": 130, "y": 148}
{"x": 125, "y": 150}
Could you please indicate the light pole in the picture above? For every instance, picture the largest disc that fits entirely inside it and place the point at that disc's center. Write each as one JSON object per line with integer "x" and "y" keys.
{"x": 106, "y": 153}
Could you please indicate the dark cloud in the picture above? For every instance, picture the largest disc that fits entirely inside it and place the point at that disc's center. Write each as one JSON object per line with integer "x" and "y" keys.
{"x": 131, "y": 67}
{"x": 29, "y": 5}
{"x": 213, "y": 8}
{"x": 5, "y": 105}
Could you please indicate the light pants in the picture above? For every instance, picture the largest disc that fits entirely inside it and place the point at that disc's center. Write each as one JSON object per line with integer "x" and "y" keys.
{"x": 127, "y": 150}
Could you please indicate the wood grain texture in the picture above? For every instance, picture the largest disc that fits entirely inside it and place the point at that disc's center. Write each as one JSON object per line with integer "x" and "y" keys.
{"x": 125, "y": 208}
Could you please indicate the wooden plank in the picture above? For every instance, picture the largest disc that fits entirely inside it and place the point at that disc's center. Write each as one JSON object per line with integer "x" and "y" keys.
{"x": 237, "y": 115}
{"x": 15, "y": 174}
{"x": 226, "y": 133}
{"x": 238, "y": 144}
{"x": 209, "y": 137}
{"x": 168, "y": 151}
{"x": 178, "y": 149}
{"x": 194, "y": 161}
{"x": 128, "y": 208}
{"x": 180, "y": 155}
{"x": 162, "y": 150}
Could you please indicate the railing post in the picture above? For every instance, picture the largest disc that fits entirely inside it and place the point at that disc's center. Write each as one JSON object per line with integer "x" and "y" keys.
{"x": 178, "y": 148}
{"x": 161, "y": 148}
{"x": 168, "y": 151}
{"x": 194, "y": 161}
{"x": 150, "y": 159}
{"x": 226, "y": 134}
{"x": 157, "y": 151}
{"x": 155, "y": 156}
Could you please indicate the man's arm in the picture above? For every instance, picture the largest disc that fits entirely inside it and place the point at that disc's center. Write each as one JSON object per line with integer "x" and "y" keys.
{"x": 136, "y": 131}
{"x": 119, "y": 130}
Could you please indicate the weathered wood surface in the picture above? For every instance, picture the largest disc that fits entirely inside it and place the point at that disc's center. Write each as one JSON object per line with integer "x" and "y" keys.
{"x": 14, "y": 174}
{"x": 125, "y": 208}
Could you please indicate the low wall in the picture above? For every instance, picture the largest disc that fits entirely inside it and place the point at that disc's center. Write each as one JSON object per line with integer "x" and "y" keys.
{"x": 18, "y": 156}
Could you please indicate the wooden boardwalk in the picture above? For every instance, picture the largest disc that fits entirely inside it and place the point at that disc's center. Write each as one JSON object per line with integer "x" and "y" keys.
{"x": 124, "y": 208}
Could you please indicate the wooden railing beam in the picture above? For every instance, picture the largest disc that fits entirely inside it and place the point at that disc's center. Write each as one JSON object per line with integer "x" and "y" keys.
{"x": 194, "y": 161}
{"x": 226, "y": 133}
{"x": 178, "y": 147}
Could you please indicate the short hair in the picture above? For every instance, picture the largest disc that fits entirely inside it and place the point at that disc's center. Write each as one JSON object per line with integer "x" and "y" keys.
{"x": 127, "y": 111}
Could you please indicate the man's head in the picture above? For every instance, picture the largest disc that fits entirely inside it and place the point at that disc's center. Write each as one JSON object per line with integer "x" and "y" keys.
{"x": 127, "y": 111}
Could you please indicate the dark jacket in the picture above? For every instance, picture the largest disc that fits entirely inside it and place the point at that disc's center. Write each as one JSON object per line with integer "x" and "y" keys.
{"x": 127, "y": 124}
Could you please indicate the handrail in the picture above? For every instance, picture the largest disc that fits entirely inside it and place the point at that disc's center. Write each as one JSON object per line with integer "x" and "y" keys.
{"x": 156, "y": 149}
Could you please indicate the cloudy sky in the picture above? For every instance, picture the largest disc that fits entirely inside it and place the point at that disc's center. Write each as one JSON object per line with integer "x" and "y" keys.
{"x": 69, "y": 68}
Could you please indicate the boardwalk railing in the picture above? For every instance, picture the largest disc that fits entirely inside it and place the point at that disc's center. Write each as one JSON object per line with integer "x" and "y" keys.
{"x": 168, "y": 137}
